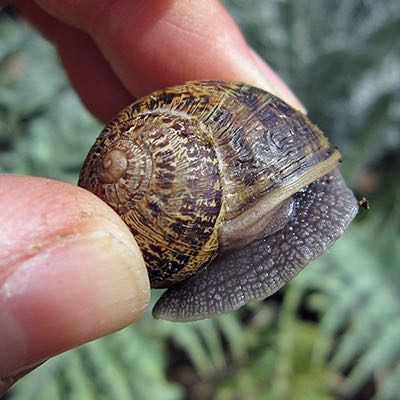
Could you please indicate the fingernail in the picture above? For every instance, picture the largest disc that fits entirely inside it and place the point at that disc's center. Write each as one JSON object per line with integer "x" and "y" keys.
{"x": 267, "y": 79}
{"x": 71, "y": 291}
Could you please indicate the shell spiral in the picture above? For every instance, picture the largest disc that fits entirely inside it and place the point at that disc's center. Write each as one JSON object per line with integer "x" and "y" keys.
{"x": 159, "y": 172}
{"x": 180, "y": 163}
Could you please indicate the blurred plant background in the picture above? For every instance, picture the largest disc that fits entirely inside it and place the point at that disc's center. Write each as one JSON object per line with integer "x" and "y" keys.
{"x": 334, "y": 331}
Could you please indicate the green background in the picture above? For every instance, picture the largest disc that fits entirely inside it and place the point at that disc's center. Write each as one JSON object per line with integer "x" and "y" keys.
{"x": 334, "y": 331}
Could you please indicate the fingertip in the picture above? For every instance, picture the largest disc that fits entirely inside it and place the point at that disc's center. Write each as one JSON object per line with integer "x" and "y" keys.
{"x": 75, "y": 275}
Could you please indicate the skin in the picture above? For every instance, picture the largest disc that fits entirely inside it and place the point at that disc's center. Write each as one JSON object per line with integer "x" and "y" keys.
{"x": 70, "y": 271}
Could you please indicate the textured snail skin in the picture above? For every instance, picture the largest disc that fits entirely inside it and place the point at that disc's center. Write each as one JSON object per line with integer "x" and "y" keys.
{"x": 322, "y": 212}
{"x": 228, "y": 191}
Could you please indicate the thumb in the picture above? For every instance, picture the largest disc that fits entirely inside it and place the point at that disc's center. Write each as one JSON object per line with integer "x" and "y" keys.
{"x": 70, "y": 272}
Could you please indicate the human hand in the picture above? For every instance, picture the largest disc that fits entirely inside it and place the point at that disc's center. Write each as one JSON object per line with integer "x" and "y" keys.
{"x": 70, "y": 270}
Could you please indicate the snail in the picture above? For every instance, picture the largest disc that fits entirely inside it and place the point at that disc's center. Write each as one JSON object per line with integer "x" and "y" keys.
{"x": 228, "y": 191}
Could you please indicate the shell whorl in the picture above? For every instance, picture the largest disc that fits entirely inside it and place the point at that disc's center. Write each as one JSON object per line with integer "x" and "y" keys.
{"x": 159, "y": 171}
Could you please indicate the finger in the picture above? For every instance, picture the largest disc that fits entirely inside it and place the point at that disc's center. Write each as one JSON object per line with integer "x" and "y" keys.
{"x": 152, "y": 44}
{"x": 162, "y": 42}
{"x": 70, "y": 271}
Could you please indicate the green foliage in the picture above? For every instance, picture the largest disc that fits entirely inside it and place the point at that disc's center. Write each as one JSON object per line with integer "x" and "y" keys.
{"x": 333, "y": 332}
{"x": 280, "y": 363}
{"x": 360, "y": 307}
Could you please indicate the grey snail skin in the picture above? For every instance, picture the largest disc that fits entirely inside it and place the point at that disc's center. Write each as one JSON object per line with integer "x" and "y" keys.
{"x": 228, "y": 191}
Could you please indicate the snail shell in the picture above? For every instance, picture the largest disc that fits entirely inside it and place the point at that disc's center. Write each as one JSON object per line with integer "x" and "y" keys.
{"x": 228, "y": 191}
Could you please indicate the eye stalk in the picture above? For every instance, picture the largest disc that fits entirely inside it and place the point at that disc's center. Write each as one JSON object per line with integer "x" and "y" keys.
{"x": 113, "y": 166}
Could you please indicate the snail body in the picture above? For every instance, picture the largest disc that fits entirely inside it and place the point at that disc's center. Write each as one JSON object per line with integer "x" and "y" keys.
{"x": 209, "y": 176}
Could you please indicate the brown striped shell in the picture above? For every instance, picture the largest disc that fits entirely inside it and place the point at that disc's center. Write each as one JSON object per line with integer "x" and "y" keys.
{"x": 205, "y": 169}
